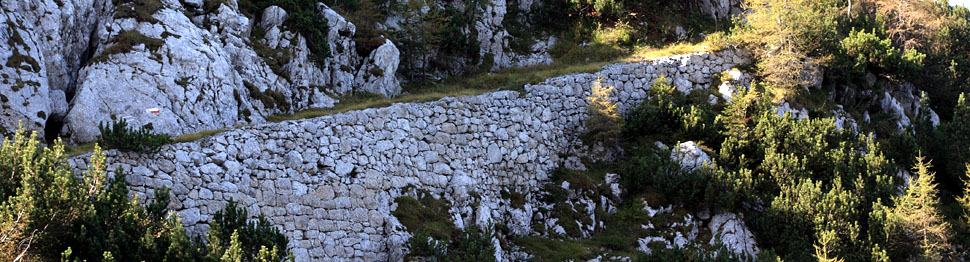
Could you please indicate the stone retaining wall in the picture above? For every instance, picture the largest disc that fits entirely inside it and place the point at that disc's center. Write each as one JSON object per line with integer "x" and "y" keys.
{"x": 329, "y": 182}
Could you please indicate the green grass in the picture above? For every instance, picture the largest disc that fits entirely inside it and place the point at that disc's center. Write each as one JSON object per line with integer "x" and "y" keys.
{"x": 547, "y": 249}
{"x": 427, "y": 214}
{"x": 712, "y": 43}
{"x": 199, "y": 135}
{"x": 76, "y": 150}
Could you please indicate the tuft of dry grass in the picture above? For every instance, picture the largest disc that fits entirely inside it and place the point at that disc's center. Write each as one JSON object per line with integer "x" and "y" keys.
{"x": 77, "y": 150}
{"x": 712, "y": 43}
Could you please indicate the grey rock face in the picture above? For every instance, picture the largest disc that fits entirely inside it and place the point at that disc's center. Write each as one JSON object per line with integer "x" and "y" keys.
{"x": 786, "y": 108}
{"x": 191, "y": 81}
{"x": 47, "y": 40}
{"x": 379, "y": 77}
{"x": 721, "y": 9}
{"x": 201, "y": 69}
{"x": 729, "y": 229}
{"x": 24, "y": 92}
{"x": 273, "y": 16}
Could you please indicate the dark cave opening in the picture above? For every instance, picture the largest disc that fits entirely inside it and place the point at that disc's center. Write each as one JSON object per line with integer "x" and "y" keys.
{"x": 52, "y": 128}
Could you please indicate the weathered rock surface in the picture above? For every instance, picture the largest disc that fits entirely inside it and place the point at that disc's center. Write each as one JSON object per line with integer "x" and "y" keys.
{"x": 729, "y": 229}
{"x": 902, "y": 101}
{"x": 721, "y": 9}
{"x": 44, "y": 46}
{"x": 690, "y": 156}
{"x": 199, "y": 66}
{"x": 377, "y": 74}
{"x": 191, "y": 81}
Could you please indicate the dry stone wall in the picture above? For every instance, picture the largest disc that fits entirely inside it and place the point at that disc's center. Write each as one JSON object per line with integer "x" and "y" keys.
{"x": 330, "y": 182}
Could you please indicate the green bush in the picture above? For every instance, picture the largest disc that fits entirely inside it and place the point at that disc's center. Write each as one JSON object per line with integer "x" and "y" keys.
{"x": 472, "y": 245}
{"x": 868, "y": 52}
{"x": 668, "y": 116}
{"x": 231, "y": 229}
{"x": 119, "y": 136}
{"x": 434, "y": 37}
{"x": 423, "y": 245}
{"x": 301, "y": 17}
{"x": 425, "y": 214}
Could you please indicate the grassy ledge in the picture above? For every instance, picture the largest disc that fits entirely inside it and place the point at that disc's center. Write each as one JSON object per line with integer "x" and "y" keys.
{"x": 506, "y": 79}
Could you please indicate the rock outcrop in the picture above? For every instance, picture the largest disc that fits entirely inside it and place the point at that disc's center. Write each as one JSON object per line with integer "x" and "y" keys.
{"x": 45, "y": 44}
{"x": 729, "y": 230}
{"x": 721, "y": 9}
{"x": 171, "y": 65}
{"x": 89, "y": 62}
{"x": 690, "y": 156}
{"x": 377, "y": 74}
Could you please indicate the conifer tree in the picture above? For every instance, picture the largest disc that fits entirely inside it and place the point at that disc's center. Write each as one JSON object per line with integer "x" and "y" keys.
{"x": 604, "y": 123}
{"x": 965, "y": 199}
{"x": 958, "y": 137}
{"x": 920, "y": 217}
{"x": 822, "y": 248}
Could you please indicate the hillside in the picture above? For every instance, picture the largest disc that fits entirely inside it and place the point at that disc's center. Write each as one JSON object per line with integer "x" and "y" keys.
{"x": 473, "y": 130}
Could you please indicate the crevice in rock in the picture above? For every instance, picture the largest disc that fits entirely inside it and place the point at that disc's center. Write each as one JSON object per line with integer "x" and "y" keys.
{"x": 52, "y": 128}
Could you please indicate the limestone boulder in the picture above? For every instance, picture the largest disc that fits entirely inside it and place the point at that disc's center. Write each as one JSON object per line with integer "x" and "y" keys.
{"x": 378, "y": 74}
{"x": 176, "y": 68}
{"x": 690, "y": 156}
{"x": 729, "y": 230}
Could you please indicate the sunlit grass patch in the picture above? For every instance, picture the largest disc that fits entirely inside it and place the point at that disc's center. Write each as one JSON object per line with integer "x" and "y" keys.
{"x": 712, "y": 43}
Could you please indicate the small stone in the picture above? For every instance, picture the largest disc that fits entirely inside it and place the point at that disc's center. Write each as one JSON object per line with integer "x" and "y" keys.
{"x": 343, "y": 168}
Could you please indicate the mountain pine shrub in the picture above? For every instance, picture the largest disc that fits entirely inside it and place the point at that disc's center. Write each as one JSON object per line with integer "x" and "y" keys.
{"x": 119, "y": 136}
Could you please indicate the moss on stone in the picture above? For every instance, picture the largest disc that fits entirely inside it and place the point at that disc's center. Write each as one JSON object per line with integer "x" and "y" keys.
{"x": 376, "y": 71}
{"x": 276, "y": 59}
{"x": 140, "y": 10}
{"x": 23, "y": 62}
{"x": 124, "y": 42}
{"x": 20, "y": 84}
{"x": 18, "y": 60}
{"x": 269, "y": 98}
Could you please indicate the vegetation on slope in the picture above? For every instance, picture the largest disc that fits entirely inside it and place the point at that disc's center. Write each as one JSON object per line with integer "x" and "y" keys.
{"x": 435, "y": 237}
{"x": 811, "y": 191}
{"x": 48, "y": 213}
